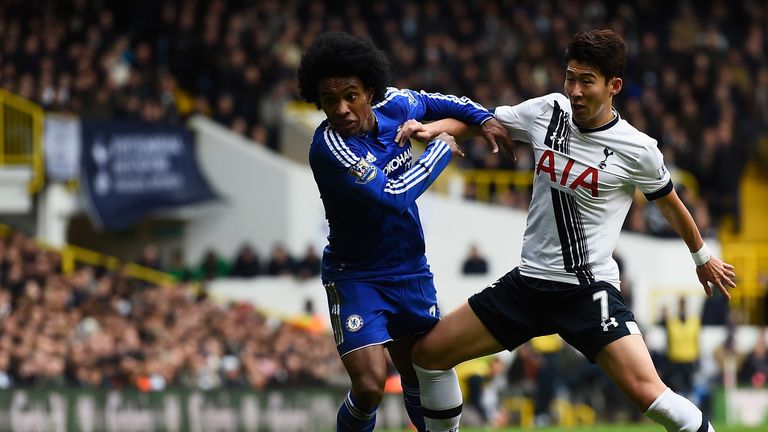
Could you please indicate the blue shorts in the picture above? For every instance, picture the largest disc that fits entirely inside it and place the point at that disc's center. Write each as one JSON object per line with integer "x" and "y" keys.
{"x": 376, "y": 311}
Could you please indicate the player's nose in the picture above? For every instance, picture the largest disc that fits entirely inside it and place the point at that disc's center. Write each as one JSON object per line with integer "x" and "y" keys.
{"x": 575, "y": 91}
{"x": 342, "y": 109}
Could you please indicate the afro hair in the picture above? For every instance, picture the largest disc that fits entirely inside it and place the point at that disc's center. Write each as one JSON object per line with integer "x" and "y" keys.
{"x": 342, "y": 55}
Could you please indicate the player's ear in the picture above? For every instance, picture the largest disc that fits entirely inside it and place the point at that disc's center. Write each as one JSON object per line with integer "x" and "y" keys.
{"x": 369, "y": 95}
{"x": 616, "y": 84}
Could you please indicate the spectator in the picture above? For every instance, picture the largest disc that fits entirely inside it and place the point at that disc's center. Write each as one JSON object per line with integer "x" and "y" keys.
{"x": 754, "y": 370}
{"x": 280, "y": 263}
{"x": 231, "y": 372}
{"x": 729, "y": 360}
{"x": 683, "y": 331}
{"x": 309, "y": 266}
{"x": 150, "y": 257}
{"x": 472, "y": 375}
{"x": 211, "y": 267}
{"x": 474, "y": 264}
{"x": 177, "y": 266}
{"x": 715, "y": 311}
{"x": 246, "y": 263}
{"x": 480, "y": 380}
{"x": 548, "y": 379}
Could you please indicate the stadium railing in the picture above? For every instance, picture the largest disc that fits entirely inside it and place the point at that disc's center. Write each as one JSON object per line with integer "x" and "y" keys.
{"x": 72, "y": 256}
{"x": 21, "y": 136}
{"x": 488, "y": 181}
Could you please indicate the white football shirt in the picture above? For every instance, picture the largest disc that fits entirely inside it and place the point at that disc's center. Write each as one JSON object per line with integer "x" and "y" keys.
{"x": 584, "y": 182}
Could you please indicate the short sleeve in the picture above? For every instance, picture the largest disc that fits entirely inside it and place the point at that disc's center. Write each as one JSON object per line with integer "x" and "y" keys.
{"x": 652, "y": 176}
{"x": 518, "y": 119}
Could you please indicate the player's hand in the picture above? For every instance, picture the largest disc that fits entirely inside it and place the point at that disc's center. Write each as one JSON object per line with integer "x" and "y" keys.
{"x": 411, "y": 129}
{"x": 497, "y": 135}
{"x": 451, "y": 141}
{"x": 717, "y": 273}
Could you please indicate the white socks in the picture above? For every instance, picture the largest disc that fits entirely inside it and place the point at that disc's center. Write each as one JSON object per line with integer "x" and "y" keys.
{"x": 440, "y": 399}
{"x": 677, "y": 414}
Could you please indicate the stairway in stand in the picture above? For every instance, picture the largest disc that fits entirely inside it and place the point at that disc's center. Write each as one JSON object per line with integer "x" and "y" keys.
{"x": 747, "y": 249}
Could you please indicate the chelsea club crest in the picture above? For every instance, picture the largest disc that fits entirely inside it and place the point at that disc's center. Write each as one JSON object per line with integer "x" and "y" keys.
{"x": 354, "y": 323}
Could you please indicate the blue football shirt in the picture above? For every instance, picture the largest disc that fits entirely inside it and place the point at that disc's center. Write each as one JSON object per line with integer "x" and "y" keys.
{"x": 369, "y": 185}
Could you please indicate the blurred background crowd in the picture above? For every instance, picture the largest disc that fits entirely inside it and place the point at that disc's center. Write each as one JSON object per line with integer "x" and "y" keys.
{"x": 697, "y": 80}
{"x": 102, "y": 330}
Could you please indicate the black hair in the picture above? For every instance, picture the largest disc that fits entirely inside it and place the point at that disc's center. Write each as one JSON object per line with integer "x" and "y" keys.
{"x": 342, "y": 55}
{"x": 602, "y": 49}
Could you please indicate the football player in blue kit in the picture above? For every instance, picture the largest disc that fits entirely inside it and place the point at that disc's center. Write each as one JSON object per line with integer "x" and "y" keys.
{"x": 379, "y": 285}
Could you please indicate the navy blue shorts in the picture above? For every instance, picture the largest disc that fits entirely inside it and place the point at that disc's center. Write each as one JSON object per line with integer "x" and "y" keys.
{"x": 376, "y": 311}
{"x": 517, "y": 308}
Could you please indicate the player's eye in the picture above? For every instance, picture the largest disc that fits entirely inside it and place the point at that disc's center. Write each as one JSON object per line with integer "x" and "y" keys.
{"x": 352, "y": 97}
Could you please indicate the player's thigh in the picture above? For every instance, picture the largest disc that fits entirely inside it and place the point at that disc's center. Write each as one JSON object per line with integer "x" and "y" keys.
{"x": 400, "y": 353}
{"x": 509, "y": 311}
{"x": 628, "y": 363}
{"x": 359, "y": 313}
{"x": 412, "y": 303}
{"x": 367, "y": 368}
{"x": 458, "y": 337}
{"x": 590, "y": 317}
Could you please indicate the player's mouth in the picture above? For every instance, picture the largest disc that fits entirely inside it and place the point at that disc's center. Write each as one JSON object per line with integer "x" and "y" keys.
{"x": 346, "y": 126}
{"x": 578, "y": 108}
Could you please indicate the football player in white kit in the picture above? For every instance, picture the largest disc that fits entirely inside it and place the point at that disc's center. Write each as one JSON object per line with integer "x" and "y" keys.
{"x": 588, "y": 163}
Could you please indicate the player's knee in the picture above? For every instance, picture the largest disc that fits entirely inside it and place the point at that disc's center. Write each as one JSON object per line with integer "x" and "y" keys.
{"x": 368, "y": 390}
{"x": 426, "y": 356}
{"x": 644, "y": 391}
{"x": 648, "y": 393}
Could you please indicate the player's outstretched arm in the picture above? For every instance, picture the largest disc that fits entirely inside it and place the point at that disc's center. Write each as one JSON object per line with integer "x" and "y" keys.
{"x": 426, "y": 132}
{"x": 709, "y": 268}
{"x": 344, "y": 167}
{"x": 494, "y": 133}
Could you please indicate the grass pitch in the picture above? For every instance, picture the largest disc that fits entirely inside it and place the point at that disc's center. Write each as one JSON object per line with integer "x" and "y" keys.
{"x": 611, "y": 428}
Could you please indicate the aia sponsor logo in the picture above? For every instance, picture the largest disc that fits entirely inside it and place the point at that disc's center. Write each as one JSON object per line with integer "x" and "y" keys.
{"x": 588, "y": 178}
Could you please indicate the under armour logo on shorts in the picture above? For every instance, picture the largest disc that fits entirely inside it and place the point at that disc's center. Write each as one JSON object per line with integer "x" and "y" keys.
{"x": 609, "y": 322}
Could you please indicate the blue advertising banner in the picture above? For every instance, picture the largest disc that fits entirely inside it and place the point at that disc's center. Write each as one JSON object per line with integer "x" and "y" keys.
{"x": 132, "y": 169}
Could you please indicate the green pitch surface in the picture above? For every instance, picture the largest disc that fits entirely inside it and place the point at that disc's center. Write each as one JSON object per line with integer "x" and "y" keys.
{"x": 612, "y": 428}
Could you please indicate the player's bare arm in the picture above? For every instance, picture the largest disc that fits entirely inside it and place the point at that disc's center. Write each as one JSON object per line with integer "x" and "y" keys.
{"x": 493, "y": 132}
{"x": 425, "y": 132}
{"x": 714, "y": 270}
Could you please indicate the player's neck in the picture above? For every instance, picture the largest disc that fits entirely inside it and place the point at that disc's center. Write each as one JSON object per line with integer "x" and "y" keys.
{"x": 369, "y": 125}
{"x": 609, "y": 114}
{"x": 610, "y": 117}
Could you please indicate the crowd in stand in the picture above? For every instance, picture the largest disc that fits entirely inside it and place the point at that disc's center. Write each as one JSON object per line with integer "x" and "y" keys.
{"x": 697, "y": 76}
{"x": 99, "y": 329}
